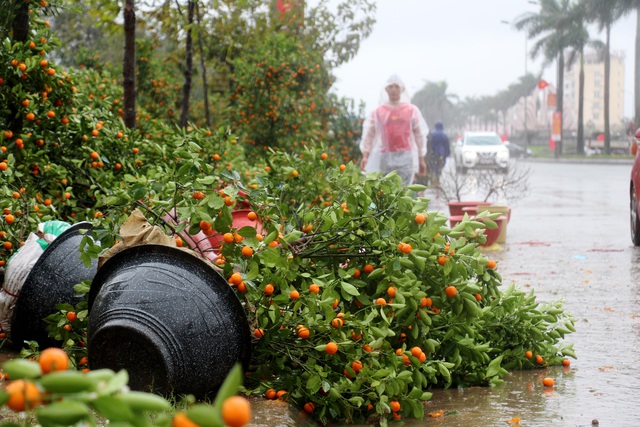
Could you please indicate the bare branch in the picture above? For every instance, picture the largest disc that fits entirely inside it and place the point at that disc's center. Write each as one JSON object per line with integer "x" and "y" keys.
{"x": 489, "y": 184}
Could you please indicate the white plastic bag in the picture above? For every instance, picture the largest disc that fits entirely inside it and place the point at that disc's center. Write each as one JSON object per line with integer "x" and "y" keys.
{"x": 20, "y": 265}
{"x": 17, "y": 270}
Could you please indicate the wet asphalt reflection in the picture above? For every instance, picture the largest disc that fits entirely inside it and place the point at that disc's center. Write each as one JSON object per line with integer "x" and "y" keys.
{"x": 567, "y": 239}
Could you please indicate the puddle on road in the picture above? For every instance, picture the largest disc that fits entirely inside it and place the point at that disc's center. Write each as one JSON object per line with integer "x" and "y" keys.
{"x": 521, "y": 401}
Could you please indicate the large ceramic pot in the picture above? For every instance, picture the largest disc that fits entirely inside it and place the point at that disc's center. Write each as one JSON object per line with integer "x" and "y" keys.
{"x": 169, "y": 319}
{"x": 49, "y": 283}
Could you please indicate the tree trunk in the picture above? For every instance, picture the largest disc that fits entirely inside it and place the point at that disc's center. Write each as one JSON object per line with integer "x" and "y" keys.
{"x": 636, "y": 85}
{"x": 20, "y": 34}
{"x": 129, "y": 65}
{"x": 203, "y": 65}
{"x": 188, "y": 69}
{"x": 580, "y": 136}
{"x": 607, "y": 72}
{"x": 559, "y": 103}
{"x": 21, "y": 23}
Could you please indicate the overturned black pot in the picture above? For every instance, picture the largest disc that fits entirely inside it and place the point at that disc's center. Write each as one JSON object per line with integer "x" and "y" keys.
{"x": 50, "y": 283}
{"x": 169, "y": 319}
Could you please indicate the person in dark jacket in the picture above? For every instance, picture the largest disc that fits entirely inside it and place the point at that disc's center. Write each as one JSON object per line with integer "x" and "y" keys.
{"x": 438, "y": 149}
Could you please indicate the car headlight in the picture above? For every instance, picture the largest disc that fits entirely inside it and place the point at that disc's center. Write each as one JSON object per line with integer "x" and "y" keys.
{"x": 503, "y": 155}
{"x": 469, "y": 155}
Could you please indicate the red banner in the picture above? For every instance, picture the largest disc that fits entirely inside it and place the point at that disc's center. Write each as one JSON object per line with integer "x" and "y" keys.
{"x": 556, "y": 126}
{"x": 551, "y": 100}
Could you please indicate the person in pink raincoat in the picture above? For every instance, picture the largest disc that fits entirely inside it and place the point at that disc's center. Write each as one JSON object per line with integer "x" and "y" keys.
{"x": 394, "y": 136}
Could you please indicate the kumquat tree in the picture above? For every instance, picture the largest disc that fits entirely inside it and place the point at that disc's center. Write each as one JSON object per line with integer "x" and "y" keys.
{"x": 361, "y": 299}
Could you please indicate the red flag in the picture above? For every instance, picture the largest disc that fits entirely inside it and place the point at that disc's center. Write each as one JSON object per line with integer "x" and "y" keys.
{"x": 542, "y": 84}
{"x": 283, "y": 6}
{"x": 287, "y": 7}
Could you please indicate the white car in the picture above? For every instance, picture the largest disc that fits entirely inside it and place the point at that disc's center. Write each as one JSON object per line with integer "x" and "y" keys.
{"x": 481, "y": 150}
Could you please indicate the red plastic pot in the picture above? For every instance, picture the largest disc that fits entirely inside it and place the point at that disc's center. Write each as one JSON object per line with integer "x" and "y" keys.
{"x": 197, "y": 242}
{"x": 492, "y": 234}
{"x": 455, "y": 208}
{"x": 238, "y": 220}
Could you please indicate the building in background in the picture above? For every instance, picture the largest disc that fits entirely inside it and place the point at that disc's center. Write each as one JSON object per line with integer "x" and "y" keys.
{"x": 594, "y": 92}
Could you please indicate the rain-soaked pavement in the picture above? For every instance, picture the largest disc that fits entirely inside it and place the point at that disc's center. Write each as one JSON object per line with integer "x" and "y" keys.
{"x": 568, "y": 239}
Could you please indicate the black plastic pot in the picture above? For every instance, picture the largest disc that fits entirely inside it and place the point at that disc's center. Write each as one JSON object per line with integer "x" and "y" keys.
{"x": 169, "y": 319}
{"x": 49, "y": 283}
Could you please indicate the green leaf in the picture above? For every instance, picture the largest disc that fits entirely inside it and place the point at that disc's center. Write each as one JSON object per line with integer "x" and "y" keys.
{"x": 116, "y": 383}
{"x": 415, "y": 393}
{"x": 381, "y": 373}
{"x": 271, "y": 237}
{"x": 426, "y": 396}
{"x": 204, "y": 415}
{"x": 207, "y": 180}
{"x": 313, "y": 383}
{"x": 21, "y": 368}
{"x": 349, "y": 288}
{"x": 357, "y": 401}
{"x": 416, "y": 187}
{"x": 494, "y": 367}
{"x": 193, "y": 146}
{"x": 444, "y": 372}
{"x": 112, "y": 409}
{"x": 418, "y": 261}
{"x": 138, "y": 191}
{"x": 140, "y": 401}
{"x": 293, "y": 236}
{"x": 66, "y": 412}
{"x": 375, "y": 273}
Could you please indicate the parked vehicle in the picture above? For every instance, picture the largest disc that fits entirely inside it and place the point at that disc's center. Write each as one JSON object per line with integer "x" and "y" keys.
{"x": 516, "y": 151}
{"x": 634, "y": 191}
{"x": 481, "y": 150}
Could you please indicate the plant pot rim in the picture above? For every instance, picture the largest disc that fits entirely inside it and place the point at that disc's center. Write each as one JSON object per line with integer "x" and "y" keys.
{"x": 468, "y": 203}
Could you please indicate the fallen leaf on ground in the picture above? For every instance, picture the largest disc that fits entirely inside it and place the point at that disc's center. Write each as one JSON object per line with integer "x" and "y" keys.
{"x": 606, "y": 368}
{"x": 514, "y": 420}
{"x": 436, "y": 414}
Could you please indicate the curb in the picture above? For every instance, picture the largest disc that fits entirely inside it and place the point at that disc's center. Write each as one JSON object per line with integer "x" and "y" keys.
{"x": 626, "y": 162}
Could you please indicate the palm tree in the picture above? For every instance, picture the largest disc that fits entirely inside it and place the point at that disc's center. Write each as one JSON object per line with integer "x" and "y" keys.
{"x": 579, "y": 39}
{"x": 605, "y": 14}
{"x": 551, "y": 25}
{"x": 522, "y": 90}
{"x": 628, "y": 6}
{"x": 435, "y": 102}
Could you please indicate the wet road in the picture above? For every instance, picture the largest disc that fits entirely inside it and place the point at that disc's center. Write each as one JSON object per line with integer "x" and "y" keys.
{"x": 568, "y": 239}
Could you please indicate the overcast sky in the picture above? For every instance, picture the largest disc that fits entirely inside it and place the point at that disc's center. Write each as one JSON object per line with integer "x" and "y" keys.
{"x": 462, "y": 42}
